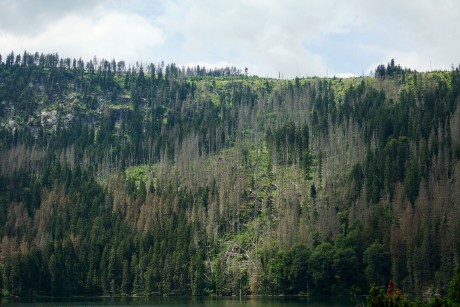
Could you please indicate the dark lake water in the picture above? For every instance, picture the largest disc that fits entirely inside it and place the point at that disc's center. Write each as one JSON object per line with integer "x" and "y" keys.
{"x": 186, "y": 301}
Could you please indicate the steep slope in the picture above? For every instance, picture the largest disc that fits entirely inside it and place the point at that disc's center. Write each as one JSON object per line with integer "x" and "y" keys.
{"x": 146, "y": 180}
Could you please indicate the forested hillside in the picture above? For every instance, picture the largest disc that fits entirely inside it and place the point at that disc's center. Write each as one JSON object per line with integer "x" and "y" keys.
{"x": 158, "y": 179}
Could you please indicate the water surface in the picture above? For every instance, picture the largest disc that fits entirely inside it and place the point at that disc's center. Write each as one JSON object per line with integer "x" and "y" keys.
{"x": 185, "y": 301}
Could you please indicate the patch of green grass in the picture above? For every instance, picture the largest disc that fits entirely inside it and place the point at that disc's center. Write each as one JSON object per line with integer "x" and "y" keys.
{"x": 142, "y": 173}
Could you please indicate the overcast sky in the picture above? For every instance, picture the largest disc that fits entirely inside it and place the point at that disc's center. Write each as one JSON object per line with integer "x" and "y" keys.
{"x": 291, "y": 37}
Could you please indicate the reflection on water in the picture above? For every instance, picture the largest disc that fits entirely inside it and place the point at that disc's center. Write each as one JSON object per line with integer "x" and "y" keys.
{"x": 186, "y": 301}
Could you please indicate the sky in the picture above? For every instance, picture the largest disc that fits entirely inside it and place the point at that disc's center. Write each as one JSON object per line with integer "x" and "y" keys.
{"x": 271, "y": 38}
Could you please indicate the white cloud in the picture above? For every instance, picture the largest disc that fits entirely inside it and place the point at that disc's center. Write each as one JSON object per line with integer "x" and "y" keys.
{"x": 266, "y": 36}
{"x": 426, "y": 32}
{"x": 344, "y": 75}
{"x": 292, "y": 37}
{"x": 23, "y": 17}
{"x": 113, "y": 35}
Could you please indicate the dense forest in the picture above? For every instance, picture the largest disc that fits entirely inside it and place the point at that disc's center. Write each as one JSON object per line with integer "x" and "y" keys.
{"x": 152, "y": 179}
